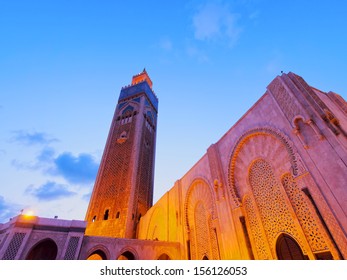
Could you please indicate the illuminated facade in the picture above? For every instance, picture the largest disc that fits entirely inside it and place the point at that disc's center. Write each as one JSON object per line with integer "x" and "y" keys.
{"x": 123, "y": 190}
{"x": 273, "y": 187}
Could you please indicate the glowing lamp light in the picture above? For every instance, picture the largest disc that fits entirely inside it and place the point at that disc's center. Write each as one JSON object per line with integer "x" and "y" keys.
{"x": 29, "y": 213}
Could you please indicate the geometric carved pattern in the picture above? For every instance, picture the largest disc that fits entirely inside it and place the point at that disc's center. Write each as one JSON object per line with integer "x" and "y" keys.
{"x": 71, "y": 248}
{"x": 123, "y": 191}
{"x": 201, "y": 231}
{"x": 331, "y": 223}
{"x": 272, "y": 206}
{"x": 14, "y": 245}
{"x": 144, "y": 181}
{"x": 306, "y": 214}
{"x": 113, "y": 186}
{"x": 214, "y": 241}
{"x": 261, "y": 141}
{"x": 284, "y": 99}
{"x": 199, "y": 190}
{"x": 256, "y": 231}
{"x": 199, "y": 211}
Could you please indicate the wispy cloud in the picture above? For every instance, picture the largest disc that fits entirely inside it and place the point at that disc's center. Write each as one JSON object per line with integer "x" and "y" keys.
{"x": 79, "y": 169}
{"x": 199, "y": 54}
{"x": 49, "y": 191}
{"x": 32, "y": 138}
{"x": 24, "y": 165}
{"x": 2, "y": 152}
{"x": 166, "y": 44}
{"x": 43, "y": 161}
{"x": 214, "y": 21}
{"x": 8, "y": 210}
{"x": 46, "y": 155}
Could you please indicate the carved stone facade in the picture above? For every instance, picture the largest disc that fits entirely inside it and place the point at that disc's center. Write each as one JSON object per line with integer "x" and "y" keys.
{"x": 33, "y": 238}
{"x": 273, "y": 187}
{"x": 123, "y": 190}
{"x": 273, "y": 184}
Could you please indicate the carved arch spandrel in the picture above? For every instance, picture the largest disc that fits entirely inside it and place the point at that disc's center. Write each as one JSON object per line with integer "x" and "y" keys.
{"x": 199, "y": 190}
{"x": 268, "y": 143}
{"x": 200, "y": 213}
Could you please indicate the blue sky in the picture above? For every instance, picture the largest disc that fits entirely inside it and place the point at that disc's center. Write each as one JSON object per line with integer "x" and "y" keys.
{"x": 63, "y": 63}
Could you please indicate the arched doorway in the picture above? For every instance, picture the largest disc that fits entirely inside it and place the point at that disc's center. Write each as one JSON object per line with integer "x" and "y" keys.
{"x": 97, "y": 255}
{"x": 164, "y": 257}
{"x": 288, "y": 249}
{"x": 127, "y": 255}
{"x": 44, "y": 250}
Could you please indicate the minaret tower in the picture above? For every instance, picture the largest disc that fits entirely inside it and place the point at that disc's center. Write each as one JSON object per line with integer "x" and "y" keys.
{"x": 123, "y": 190}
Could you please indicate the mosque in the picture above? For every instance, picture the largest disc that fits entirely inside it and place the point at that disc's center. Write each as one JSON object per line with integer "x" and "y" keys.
{"x": 273, "y": 187}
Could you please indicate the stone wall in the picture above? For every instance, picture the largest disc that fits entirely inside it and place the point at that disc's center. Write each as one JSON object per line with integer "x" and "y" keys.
{"x": 279, "y": 171}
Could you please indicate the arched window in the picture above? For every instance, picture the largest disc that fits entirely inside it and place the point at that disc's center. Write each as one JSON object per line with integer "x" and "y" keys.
{"x": 127, "y": 255}
{"x": 97, "y": 255}
{"x": 128, "y": 111}
{"x": 288, "y": 249}
{"x": 127, "y": 115}
{"x": 44, "y": 250}
{"x": 106, "y": 214}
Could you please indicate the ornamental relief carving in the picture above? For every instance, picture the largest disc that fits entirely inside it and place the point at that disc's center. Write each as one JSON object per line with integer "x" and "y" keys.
{"x": 255, "y": 229}
{"x": 328, "y": 216}
{"x": 200, "y": 211}
{"x": 306, "y": 215}
{"x": 284, "y": 99}
{"x": 276, "y": 215}
{"x": 199, "y": 190}
{"x": 268, "y": 143}
{"x": 201, "y": 232}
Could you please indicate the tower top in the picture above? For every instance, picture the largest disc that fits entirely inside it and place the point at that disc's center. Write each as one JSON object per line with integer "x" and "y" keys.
{"x": 143, "y": 76}
{"x": 141, "y": 83}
